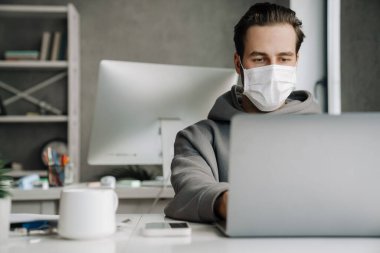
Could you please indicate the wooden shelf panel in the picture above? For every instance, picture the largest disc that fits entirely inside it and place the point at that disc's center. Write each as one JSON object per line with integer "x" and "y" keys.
{"x": 33, "y": 119}
{"x": 122, "y": 192}
{"x": 23, "y": 173}
{"x": 10, "y": 10}
{"x": 53, "y": 193}
{"x": 34, "y": 64}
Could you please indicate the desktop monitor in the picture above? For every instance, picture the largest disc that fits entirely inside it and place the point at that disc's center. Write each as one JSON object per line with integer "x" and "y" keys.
{"x": 141, "y": 106}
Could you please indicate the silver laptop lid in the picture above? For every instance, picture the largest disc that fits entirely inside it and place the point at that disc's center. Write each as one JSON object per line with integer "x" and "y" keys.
{"x": 305, "y": 175}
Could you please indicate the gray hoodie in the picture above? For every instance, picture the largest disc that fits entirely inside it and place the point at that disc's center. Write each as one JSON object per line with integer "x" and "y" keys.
{"x": 200, "y": 164}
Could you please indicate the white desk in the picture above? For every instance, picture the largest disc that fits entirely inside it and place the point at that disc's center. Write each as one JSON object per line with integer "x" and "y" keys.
{"x": 205, "y": 238}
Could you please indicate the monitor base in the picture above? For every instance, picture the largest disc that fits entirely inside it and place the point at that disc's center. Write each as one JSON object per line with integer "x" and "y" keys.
{"x": 159, "y": 182}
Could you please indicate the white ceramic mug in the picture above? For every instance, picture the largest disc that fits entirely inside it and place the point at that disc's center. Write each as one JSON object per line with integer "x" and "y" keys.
{"x": 87, "y": 213}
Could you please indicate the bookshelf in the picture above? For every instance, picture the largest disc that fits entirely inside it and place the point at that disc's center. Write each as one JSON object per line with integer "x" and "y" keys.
{"x": 28, "y": 82}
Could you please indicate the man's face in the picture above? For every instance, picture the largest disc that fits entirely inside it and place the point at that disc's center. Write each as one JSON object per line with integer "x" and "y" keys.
{"x": 267, "y": 45}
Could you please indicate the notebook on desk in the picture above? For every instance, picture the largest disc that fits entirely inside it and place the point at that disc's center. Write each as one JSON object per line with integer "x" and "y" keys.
{"x": 305, "y": 175}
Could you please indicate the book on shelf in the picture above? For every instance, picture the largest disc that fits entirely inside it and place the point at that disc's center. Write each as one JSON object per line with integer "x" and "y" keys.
{"x": 63, "y": 50}
{"x": 45, "y": 46}
{"x": 56, "y": 46}
{"x": 53, "y": 48}
{"x": 21, "y": 55}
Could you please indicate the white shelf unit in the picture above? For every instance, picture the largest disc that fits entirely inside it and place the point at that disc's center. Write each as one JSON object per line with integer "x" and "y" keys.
{"x": 71, "y": 66}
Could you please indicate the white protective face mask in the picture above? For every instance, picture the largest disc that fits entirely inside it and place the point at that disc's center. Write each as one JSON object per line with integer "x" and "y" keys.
{"x": 269, "y": 86}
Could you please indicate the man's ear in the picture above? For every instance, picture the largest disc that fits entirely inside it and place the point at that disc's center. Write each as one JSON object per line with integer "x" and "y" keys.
{"x": 237, "y": 63}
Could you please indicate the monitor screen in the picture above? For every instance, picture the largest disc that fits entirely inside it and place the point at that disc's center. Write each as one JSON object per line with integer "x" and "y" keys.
{"x": 138, "y": 104}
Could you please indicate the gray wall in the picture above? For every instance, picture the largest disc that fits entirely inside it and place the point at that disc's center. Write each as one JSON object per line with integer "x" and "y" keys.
{"x": 187, "y": 32}
{"x": 360, "y": 55}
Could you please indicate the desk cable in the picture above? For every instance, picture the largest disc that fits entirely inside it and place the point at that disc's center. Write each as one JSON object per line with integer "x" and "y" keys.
{"x": 165, "y": 183}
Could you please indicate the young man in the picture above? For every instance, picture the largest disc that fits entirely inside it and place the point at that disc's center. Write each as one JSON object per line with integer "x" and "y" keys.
{"x": 267, "y": 40}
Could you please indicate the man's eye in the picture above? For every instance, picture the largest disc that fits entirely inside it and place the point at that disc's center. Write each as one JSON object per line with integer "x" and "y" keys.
{"x": 258, "y": 59}
{"x": 285, "y": 59}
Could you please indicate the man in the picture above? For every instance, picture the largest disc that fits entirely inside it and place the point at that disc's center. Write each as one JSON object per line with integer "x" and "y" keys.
{"x": 267, "y": 40}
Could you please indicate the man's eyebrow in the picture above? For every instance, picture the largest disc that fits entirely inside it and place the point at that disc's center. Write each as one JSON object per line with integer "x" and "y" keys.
{"x": 289, "y": 53}
{"x": 256, "y": 53}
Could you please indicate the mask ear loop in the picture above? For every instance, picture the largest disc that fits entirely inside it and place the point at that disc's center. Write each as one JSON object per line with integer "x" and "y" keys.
{"x": 241, "y": 64}
{"x": 242, "y": 71}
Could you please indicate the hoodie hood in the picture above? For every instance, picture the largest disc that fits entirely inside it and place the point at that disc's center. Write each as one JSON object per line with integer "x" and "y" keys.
{"x": 229, "y": 104}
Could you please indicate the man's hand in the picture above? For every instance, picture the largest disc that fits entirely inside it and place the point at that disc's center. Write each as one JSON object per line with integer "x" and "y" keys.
{"x": 221, "y": 205}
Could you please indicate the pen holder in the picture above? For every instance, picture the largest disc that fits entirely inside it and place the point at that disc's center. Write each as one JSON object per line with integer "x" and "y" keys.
{"x": 56, "y": 175}
{"x": 60, "y": 168}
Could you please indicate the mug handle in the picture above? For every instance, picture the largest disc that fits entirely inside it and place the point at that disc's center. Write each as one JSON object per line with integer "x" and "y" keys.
{"x": 115, "y": 201}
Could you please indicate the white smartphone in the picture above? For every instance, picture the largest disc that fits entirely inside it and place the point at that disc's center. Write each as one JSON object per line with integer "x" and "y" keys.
{"x": 167, "y": 229}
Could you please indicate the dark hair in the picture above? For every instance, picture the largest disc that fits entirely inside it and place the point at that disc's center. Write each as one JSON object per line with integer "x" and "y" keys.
{"x": 262, "y": 14}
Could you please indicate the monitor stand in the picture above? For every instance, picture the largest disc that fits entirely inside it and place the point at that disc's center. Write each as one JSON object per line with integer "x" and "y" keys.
{"x": 169, "y": 127}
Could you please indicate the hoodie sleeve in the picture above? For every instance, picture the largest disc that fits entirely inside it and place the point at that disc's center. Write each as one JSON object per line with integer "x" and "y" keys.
{"x": 195, "y": 176}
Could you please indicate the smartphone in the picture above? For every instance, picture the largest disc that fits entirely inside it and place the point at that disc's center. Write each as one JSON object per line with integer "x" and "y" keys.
{"x": 167, "y": 229}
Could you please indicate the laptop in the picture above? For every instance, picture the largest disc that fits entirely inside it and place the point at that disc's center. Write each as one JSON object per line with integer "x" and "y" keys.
{"x": 304, "y": 175}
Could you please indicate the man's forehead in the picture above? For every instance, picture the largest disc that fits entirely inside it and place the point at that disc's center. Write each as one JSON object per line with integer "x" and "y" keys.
{"x": 276, "y": 38}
